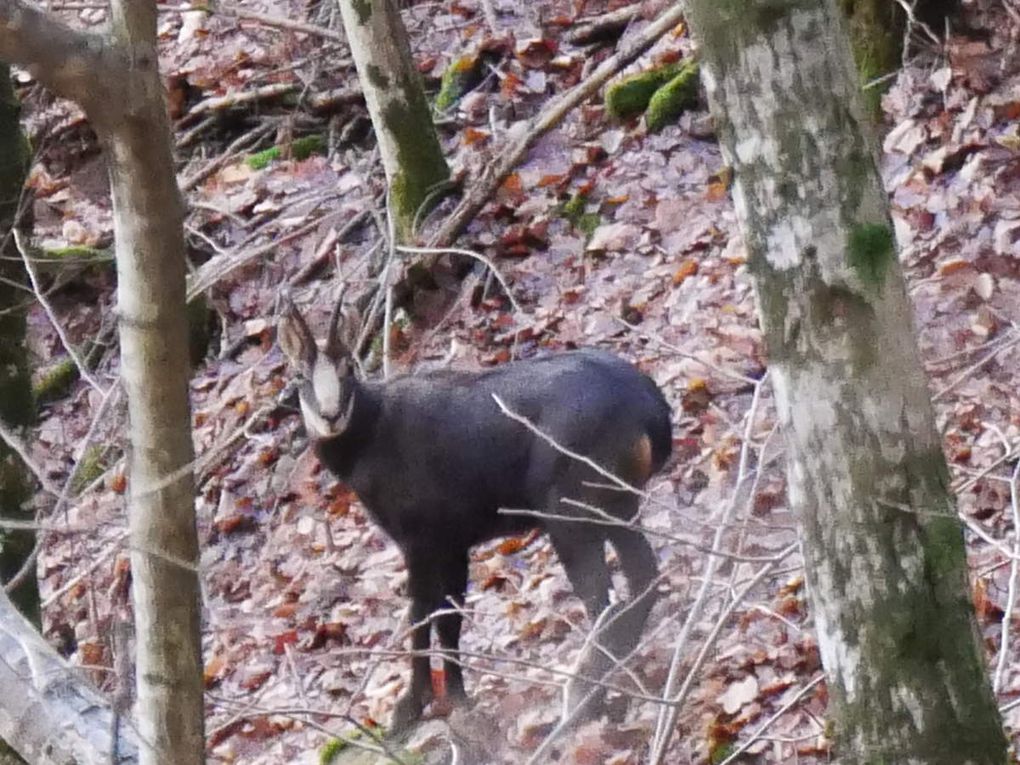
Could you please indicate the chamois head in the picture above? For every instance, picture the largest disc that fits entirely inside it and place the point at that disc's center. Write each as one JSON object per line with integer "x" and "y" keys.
{"x": 327, "y": 386}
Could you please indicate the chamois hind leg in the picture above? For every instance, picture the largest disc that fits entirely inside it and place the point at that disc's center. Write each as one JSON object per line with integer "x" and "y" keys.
{"x": 640, "y": 567}
{"x": 581, "y": 550}
{"x": 618, "y": 627}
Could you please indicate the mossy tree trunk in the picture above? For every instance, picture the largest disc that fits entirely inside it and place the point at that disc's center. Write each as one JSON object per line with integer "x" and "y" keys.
{"x": 883, "y": 545}
{"x": 16, "y": 409}
{"x": 115, "y": 77}
{"x": 411, "y": 155}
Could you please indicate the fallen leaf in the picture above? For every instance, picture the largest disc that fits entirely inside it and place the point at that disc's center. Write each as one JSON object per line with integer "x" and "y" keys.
{"x": 739, "y": 693}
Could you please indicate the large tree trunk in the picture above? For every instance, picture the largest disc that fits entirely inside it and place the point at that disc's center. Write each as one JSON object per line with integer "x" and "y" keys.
{"x": 116, "y": 81}
{"x": 16, "y": 408}
{"x": 883, "y": 545}
{"x": 411, "y": 154}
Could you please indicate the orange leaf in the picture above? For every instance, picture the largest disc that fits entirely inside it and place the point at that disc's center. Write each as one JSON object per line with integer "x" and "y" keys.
{"x": 474, "y": 136}
{"x": 511, "y": 545}
{"x": 285, "y": 610}
{"x": 284, "y": 639}
{"x": 118, "y": 483}
{"x": 214, "y": 671}
{"x": 688, "y": 267}
{"x": 551, "y": 180}
{"x": 513, "y": 184}
{"x": 716, "y": 191}
{"x": 953, "y": 266}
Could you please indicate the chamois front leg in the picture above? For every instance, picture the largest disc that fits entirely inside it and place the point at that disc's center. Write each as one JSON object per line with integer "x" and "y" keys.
{"x": 423, "y": 585}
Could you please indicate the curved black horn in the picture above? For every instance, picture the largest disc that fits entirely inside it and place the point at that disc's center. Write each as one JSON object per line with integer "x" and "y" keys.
{"x": 336, "y": 319}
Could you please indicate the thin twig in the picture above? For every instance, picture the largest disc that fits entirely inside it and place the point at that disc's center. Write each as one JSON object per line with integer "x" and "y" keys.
{"x": 685, "y": 354}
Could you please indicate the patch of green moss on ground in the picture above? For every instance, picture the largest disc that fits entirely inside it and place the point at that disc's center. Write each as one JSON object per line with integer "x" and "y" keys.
{"x": 300, "y": 148}
{"x": 629, "y": 96}
{"x": 460, "y": 77}
{"x": 673, "y": 99}
{"x": 91, "y": 465}
{"x": 55, "y": 382}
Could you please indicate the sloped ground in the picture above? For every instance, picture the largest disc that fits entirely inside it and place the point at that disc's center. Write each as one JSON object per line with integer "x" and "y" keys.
{"x": 304, "y": 596}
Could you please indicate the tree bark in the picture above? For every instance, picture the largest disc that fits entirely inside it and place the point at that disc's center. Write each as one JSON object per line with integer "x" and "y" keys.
{"x": 115, "y": 78}
{"x": 16, "y": 406}
{"x": 49, "y": 714}
{"x": 411, "y": 155}
{"x": 883, "y": 546}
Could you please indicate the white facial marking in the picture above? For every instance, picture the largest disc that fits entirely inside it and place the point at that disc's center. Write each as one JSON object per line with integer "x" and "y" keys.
{"x": 314, "y": 424}
{"x": 326, "y": 385}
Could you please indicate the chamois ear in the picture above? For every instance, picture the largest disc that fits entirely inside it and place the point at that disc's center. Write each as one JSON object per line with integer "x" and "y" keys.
{"x": 295, "y": 338}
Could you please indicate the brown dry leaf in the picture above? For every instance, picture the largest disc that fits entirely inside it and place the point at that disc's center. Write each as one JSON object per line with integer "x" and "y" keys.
{"x": 697, "y": 397}
{"x": 93, "y": 653}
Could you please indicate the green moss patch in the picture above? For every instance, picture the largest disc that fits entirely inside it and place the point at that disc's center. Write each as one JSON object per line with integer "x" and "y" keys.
{"x": 55, "y": 382}
{"x": 300, "y": 148}
{"x": 871, "y": 249}
{"x": 673, "y": 99}
{"x": 628, "y": 97}
{"x": 461, "y": 76}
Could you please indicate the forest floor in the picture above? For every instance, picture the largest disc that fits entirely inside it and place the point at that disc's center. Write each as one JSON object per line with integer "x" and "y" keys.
{"x": 304, "y": 597}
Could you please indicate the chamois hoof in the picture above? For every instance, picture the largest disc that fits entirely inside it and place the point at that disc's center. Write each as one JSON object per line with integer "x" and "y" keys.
{"x": 406, "y": 714}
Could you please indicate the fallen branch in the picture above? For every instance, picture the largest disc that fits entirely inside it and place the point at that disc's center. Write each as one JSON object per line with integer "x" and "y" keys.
{"x": 243, "y": 98}
{"x": 265, "y": 19}
{"x": 51, "y": 715}
{"x": 601, "y": 28}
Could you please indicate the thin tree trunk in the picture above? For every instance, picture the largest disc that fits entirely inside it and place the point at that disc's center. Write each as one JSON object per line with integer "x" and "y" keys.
{"x": 16, "y": 406}
{"x": 116, "y": 80}
{"x": 148, "y": 219}
{"x": 411, "y": 155}
{"x": 883, "y": 546}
